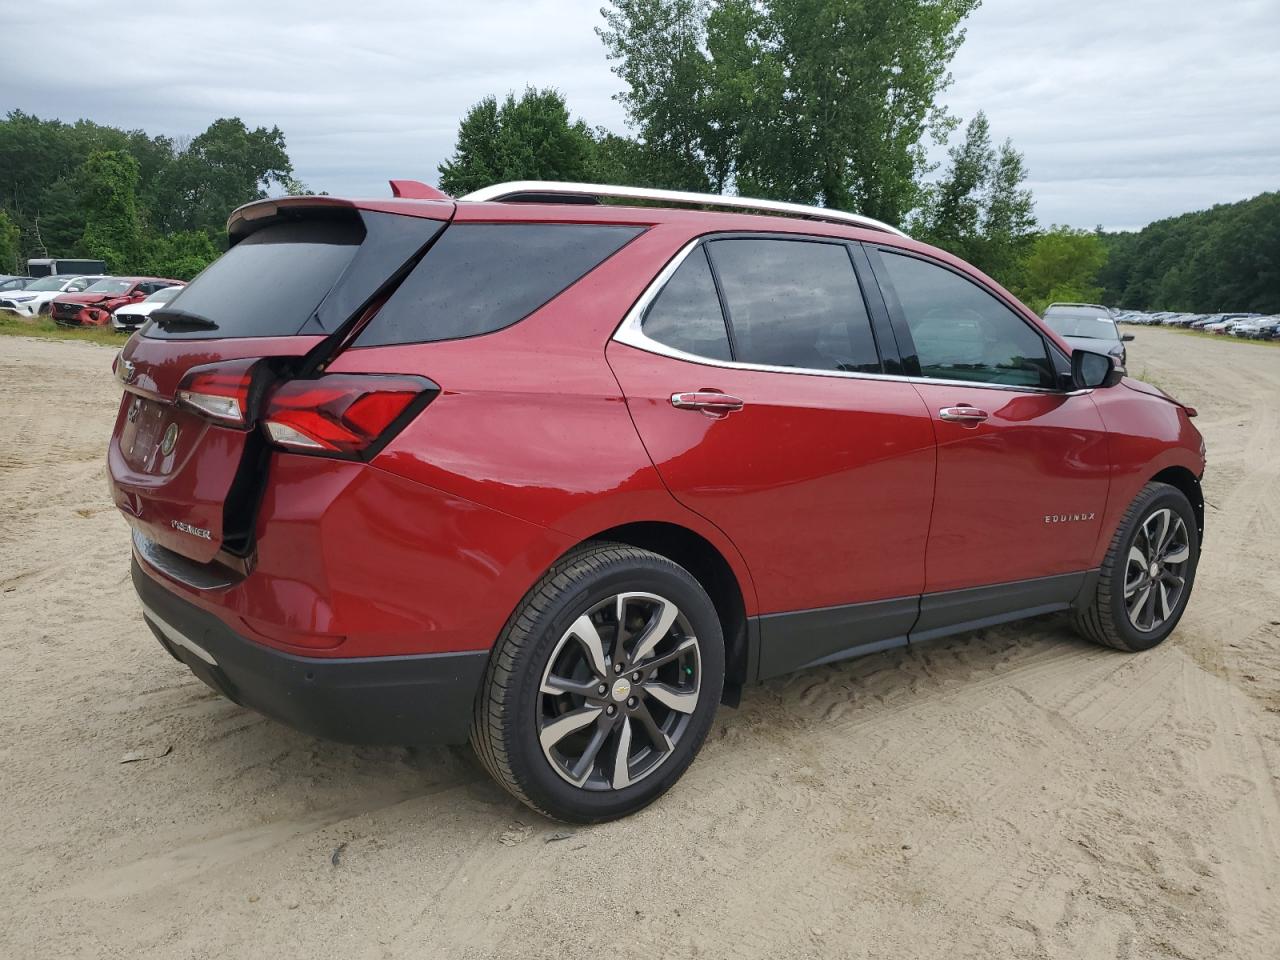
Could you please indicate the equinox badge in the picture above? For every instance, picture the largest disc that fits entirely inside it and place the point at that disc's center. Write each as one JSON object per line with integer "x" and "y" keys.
{"x": 1067, "y": 517}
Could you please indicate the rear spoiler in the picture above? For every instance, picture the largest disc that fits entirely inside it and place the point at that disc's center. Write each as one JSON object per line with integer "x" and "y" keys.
{"x": 411, "y": 198}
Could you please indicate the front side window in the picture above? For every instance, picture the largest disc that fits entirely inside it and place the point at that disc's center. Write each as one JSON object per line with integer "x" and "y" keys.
{"x": 686, "y": 313}
{"x": 794, "y": 303}
{"x": 961, "y": 332}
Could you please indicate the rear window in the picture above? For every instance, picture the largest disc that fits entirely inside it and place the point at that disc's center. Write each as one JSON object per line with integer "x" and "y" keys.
{"x": 481, "y": 277}
{"x": 795, "y": 303}
{"x": 269, "y": 284}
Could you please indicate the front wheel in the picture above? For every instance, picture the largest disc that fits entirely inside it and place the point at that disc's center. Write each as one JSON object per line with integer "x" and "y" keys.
{"x": 1147, "y": 574}
{"x": 602, "y": 686}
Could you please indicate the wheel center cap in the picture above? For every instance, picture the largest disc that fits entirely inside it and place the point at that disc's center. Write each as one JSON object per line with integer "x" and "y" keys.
{"x": 1154, "y": 570}
{"x": 621, "y": 689}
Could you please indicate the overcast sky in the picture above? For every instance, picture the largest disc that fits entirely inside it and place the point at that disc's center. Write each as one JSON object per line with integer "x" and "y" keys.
{"x": 1126, "y": 110}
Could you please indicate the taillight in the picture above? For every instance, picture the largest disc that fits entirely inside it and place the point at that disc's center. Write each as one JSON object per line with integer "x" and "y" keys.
{"x": 224, "y": 392}
{"x": 341, "y": 414}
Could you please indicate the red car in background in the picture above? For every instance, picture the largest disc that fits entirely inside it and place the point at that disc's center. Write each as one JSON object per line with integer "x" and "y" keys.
{"x": 95, "y": 305}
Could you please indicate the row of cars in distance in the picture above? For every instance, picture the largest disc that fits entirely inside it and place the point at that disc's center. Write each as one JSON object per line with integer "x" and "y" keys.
{"x": 88, "y": 300}
{"x": 1249, "y": 326}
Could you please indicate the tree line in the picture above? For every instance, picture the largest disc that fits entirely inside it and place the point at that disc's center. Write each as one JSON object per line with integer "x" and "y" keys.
{"x": 144, "y": 204}
{"x": 1224, "y": 258}
{"x": 834, "y": 103}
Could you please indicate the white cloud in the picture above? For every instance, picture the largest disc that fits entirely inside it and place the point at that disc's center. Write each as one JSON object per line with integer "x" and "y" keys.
{"x": 1126, "y": 111}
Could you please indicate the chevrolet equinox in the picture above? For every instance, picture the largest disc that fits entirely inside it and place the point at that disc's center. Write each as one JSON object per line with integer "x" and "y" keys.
{"x": 559, "y": 476}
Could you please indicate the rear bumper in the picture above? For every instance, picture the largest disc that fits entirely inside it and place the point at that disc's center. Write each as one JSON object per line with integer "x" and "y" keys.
{"x": 421, "y": 698}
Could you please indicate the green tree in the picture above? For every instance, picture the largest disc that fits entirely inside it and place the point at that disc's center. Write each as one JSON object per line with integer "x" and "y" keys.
{"x": 9, "y": 236}
{"x": 226, "y": 166}
{"x": 659, "y": 51}
{"x": 180, "y": 256}
{"x": 1009, "y": 220}
{"x": 1062, "y": 266}
{"x": 979, "y": 209}
{"x": 532, "y": 138}
{"x": 952, "y": 213}
{"x": 815, "y": 101}
{"x": 108, "y": 183}
{"x": 1224, "y": 258}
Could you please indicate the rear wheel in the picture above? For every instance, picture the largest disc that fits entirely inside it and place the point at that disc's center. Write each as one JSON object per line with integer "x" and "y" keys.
{"x": 603, "y": 685}
{"x": 1147, "y": 574}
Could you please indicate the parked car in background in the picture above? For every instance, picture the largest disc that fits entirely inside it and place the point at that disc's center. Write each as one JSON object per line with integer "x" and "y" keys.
{"x": 11, "y": 283}
{"x": 560, "y": 477}
{"x": 1088, "y": 326}
{"x": 93, "y": 306}
{"x": 34, "y": 299}
{"x": 131, "y": 316}
{"x": 1225, "y": 325}
{"x": 1254, "y": 328}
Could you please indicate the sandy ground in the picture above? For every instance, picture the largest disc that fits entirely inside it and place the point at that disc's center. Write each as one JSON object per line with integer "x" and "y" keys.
{"x": 1011, "y": 793}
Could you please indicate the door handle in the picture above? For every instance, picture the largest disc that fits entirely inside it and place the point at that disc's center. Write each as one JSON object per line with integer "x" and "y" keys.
{"x": 710, "y": 402}
{"x": 963, "y": 413}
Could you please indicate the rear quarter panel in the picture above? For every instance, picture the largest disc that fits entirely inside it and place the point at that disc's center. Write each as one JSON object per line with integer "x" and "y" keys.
{"x": 530, "y": 420}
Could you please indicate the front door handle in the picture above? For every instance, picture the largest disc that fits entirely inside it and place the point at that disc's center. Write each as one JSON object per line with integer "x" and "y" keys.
{"x": 963, "y": 413}
{"x": 711, "y": 402}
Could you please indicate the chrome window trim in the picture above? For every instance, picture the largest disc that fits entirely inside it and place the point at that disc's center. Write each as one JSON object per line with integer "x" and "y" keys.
{"x": 630, "y": 333}
{"x": 501, "y": 191}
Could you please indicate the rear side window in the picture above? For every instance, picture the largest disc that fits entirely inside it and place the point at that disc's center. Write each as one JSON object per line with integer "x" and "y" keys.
{"x": 481, "y": 277}
{"x": 686, "y": 314}
{"x": 961, "y": 332}
{"x": 268, "y": 284}
{"x": 795, "y": 303}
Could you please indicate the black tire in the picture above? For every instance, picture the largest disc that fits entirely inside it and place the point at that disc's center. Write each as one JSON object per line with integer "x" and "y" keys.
{"x": 511, "y": 708}
{"x": 1105, "y": 617}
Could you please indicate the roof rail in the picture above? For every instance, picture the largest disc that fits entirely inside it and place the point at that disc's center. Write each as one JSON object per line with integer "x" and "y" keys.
{"x": 550, "y": 191}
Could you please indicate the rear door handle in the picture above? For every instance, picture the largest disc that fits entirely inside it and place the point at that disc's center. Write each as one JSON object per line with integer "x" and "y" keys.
{"x": 963, "y": 413}
{"x": 711, "y": 402}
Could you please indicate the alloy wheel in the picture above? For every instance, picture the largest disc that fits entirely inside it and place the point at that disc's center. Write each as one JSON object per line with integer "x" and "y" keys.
{"x": 619, "y": 691}
{"x": 1156, "y": 570}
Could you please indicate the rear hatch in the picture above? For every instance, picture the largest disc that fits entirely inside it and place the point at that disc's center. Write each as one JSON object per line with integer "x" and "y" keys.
{"x": 187, "y": 459}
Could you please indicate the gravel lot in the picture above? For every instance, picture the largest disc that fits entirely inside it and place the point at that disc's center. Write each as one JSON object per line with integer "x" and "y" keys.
{"x": 1010, "y": 793}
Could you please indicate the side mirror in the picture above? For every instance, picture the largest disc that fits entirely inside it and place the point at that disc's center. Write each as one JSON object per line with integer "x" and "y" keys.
{"x": 1126, "y": 337}
{"x": 1090, "y": 370}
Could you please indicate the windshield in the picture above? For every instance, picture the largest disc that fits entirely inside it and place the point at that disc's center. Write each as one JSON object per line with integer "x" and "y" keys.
{"x": 164, "y": 295}
{"x": 109, "y": 285}
{"x": 1082, "y": 322}
{"x": 48, "y": 283}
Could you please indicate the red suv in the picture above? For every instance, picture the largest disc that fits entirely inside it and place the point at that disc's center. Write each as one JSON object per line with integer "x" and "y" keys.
{"x": 94, "y": 306}
{"x": 561, "y": 476}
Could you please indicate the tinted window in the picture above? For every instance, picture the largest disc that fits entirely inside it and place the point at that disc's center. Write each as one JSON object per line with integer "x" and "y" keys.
{"x": 962, "y": 332}
{"x": 48, "y": 283}
{"x": 269, "y": 283}
{"x": 481, "y": 277}
{"x": 1081, "y": 322}
{"x": 686, "y": 313}
{"x": 793, "y": 303}
{"x": 164, "y": 295}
